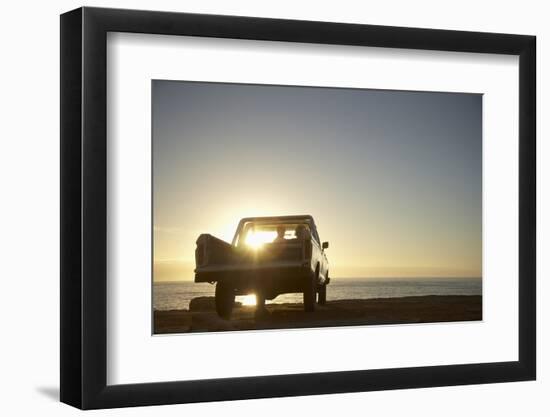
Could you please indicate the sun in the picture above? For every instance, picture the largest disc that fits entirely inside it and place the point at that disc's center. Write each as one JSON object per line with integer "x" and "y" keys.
{"x": 257, "y": 239}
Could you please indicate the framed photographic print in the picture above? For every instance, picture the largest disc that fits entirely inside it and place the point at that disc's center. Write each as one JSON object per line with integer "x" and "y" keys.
{"x": 256, "y": 208}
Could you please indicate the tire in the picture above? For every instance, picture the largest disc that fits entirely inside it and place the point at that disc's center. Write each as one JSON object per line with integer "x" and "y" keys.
{"x": 310, "y": 292}
{"x": 225, "y": 299}
{"x": 261, "y": 311}
{"x": 322, "y": 294}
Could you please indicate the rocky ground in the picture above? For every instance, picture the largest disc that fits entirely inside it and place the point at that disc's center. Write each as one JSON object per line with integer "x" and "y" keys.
{"x": 202, "y": 317}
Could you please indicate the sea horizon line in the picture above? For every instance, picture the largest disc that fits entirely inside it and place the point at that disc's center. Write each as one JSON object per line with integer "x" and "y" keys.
{"x": 176, "y": 281}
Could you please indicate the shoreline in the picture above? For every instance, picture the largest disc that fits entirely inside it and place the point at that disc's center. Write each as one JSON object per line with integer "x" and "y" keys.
{"x": 202, "y": 317}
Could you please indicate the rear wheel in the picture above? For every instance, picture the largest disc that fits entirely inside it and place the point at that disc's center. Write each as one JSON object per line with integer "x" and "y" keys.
{"x": 310, "y": 292}
{"x": 225, "y": 299}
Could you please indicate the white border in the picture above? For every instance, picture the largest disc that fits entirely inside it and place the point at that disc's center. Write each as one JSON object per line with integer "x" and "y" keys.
{"x": 134, "y": 356}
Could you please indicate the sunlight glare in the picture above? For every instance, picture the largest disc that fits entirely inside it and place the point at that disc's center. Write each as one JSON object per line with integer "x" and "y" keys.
{"x": 248, "y": 300}
{"x": 257, "y": 239}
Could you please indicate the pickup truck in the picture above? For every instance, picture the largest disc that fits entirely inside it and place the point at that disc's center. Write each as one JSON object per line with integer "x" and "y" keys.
{"x": 267, "y": 257}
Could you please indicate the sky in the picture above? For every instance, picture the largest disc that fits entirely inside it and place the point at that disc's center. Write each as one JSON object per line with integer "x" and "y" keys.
{"x": 393, "y": 179}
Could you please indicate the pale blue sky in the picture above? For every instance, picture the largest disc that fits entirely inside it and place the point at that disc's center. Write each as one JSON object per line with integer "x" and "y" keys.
{"x": 393, "y": 179}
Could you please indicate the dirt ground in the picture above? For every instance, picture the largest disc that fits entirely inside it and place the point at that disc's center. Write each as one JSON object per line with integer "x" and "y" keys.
{"x": 202, "y": 317}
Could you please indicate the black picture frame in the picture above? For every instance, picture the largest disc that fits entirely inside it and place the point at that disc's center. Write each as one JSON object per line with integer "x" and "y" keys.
{"x": 84, "y": 207}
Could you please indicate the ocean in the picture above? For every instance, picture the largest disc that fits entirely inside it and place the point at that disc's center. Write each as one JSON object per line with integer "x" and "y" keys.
{"x": 177, "y": 295}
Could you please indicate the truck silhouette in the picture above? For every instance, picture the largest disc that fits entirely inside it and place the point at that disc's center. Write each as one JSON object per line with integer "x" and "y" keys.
{"x": 268, "y": 256}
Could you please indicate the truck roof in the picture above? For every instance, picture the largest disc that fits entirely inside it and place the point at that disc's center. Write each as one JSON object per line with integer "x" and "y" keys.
{"x": 297, "y": 217}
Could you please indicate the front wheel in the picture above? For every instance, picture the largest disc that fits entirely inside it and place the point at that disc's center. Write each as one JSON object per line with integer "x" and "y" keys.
{"x": 225, "y": 299}
{"x": 310, "y": 287}
{"x": 322, "y": 294}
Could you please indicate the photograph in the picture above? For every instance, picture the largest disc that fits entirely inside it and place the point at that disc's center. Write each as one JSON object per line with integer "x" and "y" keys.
{"x": 281, "y": 207}
{"x": 272, "y": 206}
